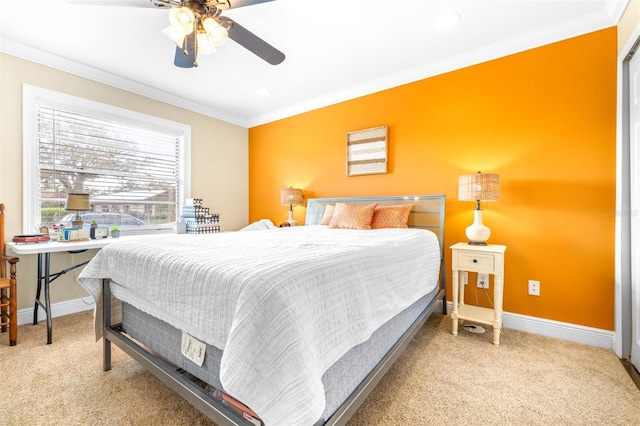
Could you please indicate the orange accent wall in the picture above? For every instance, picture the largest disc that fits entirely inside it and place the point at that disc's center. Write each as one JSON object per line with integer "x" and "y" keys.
{"x": 545, "y": 119}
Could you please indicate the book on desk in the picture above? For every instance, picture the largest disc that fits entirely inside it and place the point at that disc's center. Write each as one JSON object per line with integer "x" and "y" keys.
{"x": 30, "y": 238}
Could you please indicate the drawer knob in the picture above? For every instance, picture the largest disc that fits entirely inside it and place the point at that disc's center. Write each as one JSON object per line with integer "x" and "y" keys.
{"x": 475, "y": 260}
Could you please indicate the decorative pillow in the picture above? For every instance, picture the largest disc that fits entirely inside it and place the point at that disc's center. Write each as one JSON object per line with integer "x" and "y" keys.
{"x": 260, "y": 225}
{"x": 352, "y": 216}
{"x": 391, "y": 216}
{"x": 327, "y": 214}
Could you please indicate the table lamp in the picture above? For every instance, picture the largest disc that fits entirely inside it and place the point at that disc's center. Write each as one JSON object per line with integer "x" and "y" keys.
{"x": 478, "y": 187}
{"x": 291, "y": 197}
{"x": 77, "y": 203}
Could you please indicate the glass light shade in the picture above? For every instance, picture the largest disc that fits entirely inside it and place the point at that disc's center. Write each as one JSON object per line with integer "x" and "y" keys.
{"x": 208, "y": 23}
{"x": 290, "y": 196}
{"x": 217, "y": 33}
{"x": 175, "y": 33}
{"x": 182, "y": 16}
{"x": 205, "y": 47}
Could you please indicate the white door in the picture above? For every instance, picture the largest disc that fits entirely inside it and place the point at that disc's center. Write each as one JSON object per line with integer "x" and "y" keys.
{"x": 634, "y": 137}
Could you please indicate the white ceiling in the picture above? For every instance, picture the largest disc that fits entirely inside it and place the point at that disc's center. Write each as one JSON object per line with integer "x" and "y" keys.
{"x": 334, "y": 50}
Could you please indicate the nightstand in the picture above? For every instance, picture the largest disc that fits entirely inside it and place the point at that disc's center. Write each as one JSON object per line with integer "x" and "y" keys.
{"x": 487, "y": 259}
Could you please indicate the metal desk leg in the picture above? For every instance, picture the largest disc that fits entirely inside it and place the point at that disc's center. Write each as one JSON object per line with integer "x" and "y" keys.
{"x": 38, "y": 290}
{"x": 47, "y": 278}
{"x": 47, "y": 298}
{"x": 44, "y": 277}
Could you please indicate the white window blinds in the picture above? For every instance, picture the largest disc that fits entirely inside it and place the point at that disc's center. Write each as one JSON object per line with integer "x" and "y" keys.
{"x": 133, "y": 170}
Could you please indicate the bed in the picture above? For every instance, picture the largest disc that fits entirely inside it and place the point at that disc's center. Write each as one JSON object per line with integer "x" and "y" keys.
{"x": 283, "y": 326}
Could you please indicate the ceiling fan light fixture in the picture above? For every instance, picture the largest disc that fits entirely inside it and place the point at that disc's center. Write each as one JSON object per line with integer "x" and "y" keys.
{"x": 216, "y": 33}
{"x": 209, "y": 23}
{"x": 218, "y": 37}
{"x": 182, "y": 16}
{"x": 175, "y": 33}
{"x": 205, "y": 47}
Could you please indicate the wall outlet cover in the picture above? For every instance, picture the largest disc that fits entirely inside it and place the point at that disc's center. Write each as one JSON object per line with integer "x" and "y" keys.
{"x": 483, "y": 280}
{"x": 534, "y": 288}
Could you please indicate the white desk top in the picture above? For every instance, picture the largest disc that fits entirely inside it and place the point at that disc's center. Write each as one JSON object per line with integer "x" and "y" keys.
{"x": 56, "y": 246}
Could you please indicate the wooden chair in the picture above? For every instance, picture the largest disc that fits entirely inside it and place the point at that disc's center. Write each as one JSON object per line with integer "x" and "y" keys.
{"x": 8, "y": 293}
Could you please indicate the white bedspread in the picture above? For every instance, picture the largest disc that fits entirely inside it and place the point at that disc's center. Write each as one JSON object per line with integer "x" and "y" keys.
{"x": 283, "y": 304}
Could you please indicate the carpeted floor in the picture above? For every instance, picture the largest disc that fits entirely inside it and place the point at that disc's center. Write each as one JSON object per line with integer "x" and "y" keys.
{"x": 439, "y": 380}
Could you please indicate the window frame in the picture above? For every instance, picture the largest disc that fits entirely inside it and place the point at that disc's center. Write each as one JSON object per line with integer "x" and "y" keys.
{"x": 34, "y": 96}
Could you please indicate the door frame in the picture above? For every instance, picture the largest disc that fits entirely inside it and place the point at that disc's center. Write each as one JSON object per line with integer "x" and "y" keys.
{"x": 622, "y": 299}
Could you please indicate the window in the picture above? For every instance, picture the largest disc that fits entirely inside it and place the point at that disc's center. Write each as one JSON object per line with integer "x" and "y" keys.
{"x": 134, "y": 166}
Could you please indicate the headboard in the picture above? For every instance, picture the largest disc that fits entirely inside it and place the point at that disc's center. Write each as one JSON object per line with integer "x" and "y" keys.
{"x": 427, "y": 212}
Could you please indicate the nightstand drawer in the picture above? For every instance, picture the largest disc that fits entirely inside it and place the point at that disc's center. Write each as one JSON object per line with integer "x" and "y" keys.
{"x": 475, "y": 261}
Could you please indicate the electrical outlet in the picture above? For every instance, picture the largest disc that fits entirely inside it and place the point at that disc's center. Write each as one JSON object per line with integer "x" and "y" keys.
{"x": 465, "y": 277}
{"x": 534, "y": 288}
{"x": 483, "y": 280}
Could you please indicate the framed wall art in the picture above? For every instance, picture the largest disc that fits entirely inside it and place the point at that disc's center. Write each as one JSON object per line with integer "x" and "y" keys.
{"x": 367, "y": 151}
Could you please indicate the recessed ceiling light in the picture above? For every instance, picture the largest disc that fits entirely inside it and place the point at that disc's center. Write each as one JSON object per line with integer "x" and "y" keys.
{"x": 447, "y": 19}
{"x": 263, "y": 91}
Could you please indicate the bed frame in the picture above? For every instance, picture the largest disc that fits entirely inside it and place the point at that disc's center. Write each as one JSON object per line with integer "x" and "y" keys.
{"x": 427, "y": 213}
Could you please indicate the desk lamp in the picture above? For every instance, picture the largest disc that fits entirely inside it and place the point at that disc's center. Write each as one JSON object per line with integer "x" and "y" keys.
{"x": 77, "y": 203}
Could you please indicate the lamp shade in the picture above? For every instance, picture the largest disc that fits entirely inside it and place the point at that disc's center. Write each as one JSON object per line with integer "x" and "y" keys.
{"x": 290, "y": 196}
{"x": 77, "y": 202}
{"x": 479, "y": 187}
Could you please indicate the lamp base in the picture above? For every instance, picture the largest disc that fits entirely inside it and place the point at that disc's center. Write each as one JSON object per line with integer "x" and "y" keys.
{"x": 77, "y": 221}
{"x": 291, "y": 221}
{"x": 478, "y": 233}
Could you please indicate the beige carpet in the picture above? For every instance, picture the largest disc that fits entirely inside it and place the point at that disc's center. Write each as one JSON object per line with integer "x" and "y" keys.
{"x": 439, "y": 380}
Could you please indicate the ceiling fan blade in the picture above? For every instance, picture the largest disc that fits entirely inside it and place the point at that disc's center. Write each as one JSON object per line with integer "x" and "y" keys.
{"x": 234, "y": 4}
{"x": 132, "y": 3}
{"x": 186, "y": 56}
{"x": 252, "y": 42}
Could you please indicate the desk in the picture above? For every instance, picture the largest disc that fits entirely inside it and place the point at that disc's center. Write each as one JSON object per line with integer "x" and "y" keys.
{"x": 44, "y": 250}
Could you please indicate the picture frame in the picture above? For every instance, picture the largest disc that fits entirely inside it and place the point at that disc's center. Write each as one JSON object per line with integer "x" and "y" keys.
{"x": 367, "y": 151}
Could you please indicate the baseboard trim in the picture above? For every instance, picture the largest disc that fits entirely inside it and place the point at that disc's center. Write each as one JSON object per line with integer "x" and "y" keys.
{"x": 25, "y": 316}
{"x": 561, "y": 330}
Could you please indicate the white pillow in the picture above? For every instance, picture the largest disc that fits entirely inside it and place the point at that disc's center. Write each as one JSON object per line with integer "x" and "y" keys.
{"x": 260, "y": 225}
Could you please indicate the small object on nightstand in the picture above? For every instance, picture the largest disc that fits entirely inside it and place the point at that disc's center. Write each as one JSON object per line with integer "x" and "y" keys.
{"x": 487, "y": 259}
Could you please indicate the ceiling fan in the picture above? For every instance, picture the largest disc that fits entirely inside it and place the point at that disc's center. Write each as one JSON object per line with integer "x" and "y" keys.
{"x": 198, "y": 27}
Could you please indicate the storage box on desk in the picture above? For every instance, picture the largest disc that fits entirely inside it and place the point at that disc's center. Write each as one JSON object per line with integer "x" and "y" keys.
{"x": 208, "y": 219}
{"x": 193, "y": 211}
{"x": 202, "y": 228}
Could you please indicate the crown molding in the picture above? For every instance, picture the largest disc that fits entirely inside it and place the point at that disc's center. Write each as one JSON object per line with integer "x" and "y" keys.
{"x": 544, "y": 36}
{"x": 607, "y": 17}
{"x": 42, "y": 57}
